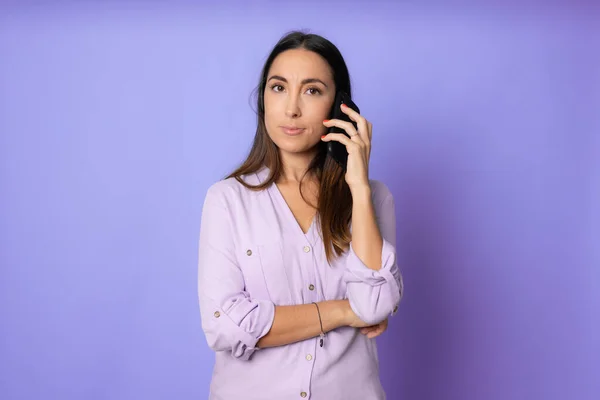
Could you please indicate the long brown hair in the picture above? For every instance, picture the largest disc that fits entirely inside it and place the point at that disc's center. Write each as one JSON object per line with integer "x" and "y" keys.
{"x": 334, "y": 207}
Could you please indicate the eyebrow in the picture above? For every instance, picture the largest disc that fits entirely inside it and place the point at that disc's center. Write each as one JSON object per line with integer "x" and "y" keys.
{"x": 304, "y": 82}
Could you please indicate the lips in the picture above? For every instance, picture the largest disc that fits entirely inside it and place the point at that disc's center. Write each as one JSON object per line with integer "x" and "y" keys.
{"x": 292, "y": 130}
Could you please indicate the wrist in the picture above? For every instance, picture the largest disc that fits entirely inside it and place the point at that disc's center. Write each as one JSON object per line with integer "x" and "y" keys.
{"x": 344, "y": 312}
{"x": 335, "y": 313}
{"x": 361, "y": 193}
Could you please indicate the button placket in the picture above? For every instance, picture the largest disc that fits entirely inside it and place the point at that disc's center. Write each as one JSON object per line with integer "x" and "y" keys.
{"x": 310, "y": 266}
{"x": 310, "y": 354}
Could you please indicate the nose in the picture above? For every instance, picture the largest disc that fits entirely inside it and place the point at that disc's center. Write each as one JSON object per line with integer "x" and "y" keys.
{"x": 292, "y": 109}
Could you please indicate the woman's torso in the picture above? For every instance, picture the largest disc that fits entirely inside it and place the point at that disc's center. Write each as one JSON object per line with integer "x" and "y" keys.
{"x": 281, "y": 263}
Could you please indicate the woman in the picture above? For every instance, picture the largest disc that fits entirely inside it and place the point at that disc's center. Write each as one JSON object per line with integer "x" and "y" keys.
{"x": 297, "y": 263}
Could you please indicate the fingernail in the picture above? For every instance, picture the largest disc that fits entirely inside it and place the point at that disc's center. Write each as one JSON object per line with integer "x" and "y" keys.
{"x": 343, "y": 105}
{"x": 325, "y": 120}
{"x": 323, "y": 136}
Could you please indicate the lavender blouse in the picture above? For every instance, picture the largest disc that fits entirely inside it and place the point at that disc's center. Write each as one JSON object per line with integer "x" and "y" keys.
{"x": 253, "y": 255}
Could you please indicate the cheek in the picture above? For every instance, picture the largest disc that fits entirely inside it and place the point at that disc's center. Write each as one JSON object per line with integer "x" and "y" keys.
{"x": 271, "y": 108}
{"x": 271, "y": 121}
{"x": 322, "y": 110}
{"x": 319, "y": 114}
{"x": 271, "y": 117}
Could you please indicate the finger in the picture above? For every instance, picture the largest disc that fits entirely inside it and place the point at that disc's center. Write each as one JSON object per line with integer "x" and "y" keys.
{"x": 366, "y": 330}
{"x": 340, "y": 137}
{"x": 347, "y": 126}
{"x": 363, "y": 124}
{"x": 376, "y": 332}
{"x": 354, "y": 116}
{"x": 382, "y": 327}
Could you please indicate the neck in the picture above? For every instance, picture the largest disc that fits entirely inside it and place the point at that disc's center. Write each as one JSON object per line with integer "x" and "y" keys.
{"x": 294, "y": 167}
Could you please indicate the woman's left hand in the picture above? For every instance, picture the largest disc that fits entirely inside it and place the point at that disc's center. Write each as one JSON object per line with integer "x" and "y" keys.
{"x": 358, "y": 145}
{"x": 375, "y": 330}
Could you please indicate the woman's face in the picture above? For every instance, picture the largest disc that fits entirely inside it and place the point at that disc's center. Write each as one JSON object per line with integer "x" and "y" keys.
{"x": 298, "y": 96}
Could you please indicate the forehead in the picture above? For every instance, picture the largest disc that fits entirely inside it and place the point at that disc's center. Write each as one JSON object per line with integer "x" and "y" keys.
{"x": 300, "y": 64}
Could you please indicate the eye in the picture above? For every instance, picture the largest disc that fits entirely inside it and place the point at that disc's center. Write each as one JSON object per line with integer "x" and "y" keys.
{"x": 277, "y": 88}
{"x": 314, "y": 91}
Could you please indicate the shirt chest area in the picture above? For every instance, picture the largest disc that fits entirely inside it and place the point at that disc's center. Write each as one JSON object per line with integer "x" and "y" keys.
{"x": 279, "y": 261}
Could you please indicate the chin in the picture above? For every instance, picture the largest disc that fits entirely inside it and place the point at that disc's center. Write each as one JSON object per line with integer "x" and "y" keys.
{"x": 303, "y": 143}
{"x": 296, "y": 148}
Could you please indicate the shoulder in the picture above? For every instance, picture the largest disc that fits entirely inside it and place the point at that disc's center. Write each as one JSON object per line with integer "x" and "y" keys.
{"x": 383, "y": 202}
{"x": 230, "y": 190}
{"x": 380, "y": 192}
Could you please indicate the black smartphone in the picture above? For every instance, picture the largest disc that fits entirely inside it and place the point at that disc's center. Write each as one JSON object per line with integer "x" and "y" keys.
{"x": 336, "y": 149}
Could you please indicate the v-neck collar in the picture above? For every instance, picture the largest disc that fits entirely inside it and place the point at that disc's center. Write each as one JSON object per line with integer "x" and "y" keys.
{"x": 310, "y": 235}
{"x": 274, "y": 189}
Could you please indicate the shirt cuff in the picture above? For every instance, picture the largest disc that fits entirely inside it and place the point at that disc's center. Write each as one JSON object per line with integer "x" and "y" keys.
{"x": 357, "y": 271}
{"x": 243, "y": 323}
{"x": 374, "y": 295}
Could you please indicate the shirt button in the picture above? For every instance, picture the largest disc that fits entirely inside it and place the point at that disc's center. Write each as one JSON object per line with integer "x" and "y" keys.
{"x": 311, "y": 287}
{"x": 306, "y": 249}
{"x": 308, "y": 357}
{"x": 302, "y": 394}
{"x": 248, "y": 252}
{"x": 217, "y": 314}
{"x": 395, "y": 309}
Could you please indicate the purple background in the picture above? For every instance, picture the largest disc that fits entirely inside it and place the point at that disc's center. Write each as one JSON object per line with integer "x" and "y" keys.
{"x": 115, "y": 119}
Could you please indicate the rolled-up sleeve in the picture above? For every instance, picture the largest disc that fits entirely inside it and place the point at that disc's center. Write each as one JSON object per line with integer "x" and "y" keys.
{"x": 375, "y": 295}
{"x": 231, "y": 319}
